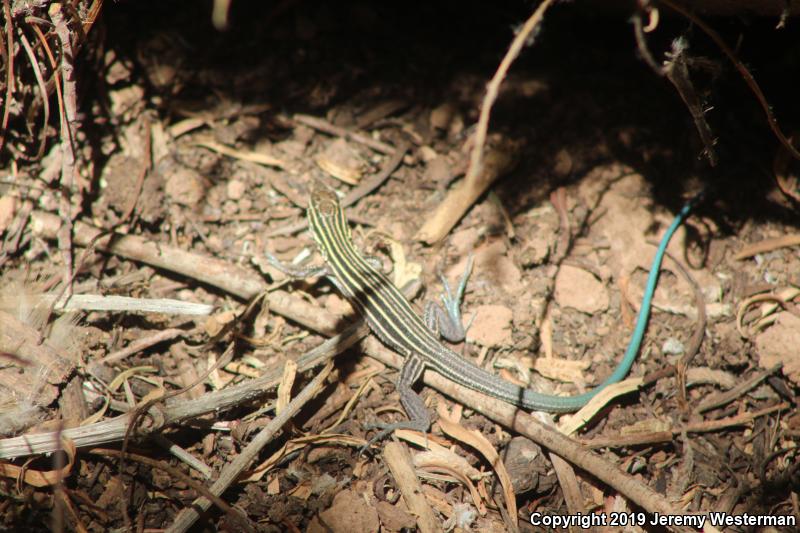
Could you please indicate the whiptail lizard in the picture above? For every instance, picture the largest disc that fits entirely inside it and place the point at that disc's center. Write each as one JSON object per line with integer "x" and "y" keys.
{"x": 391, "y": 317}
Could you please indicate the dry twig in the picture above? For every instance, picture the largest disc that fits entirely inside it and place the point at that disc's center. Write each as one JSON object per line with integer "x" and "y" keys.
{"x": 8, "y": 53}
{"x": 399, "y": 462}
{"x": 768, "y": 245}
{"x": 327, "y": 127}
{"x": 233, "y": 470}
{"x": 477, "y": 180}
{"x": 528, "y": 425}
{"x": 366, "y": 187}
{"x": 743, "y": 71}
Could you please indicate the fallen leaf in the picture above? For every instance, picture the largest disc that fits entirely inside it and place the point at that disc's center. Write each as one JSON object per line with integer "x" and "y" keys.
{"x": 395, "y": 518}
{"x": 477, "y": 440}
{"x": 349, "y": 513}
{"x": 41, "y": 478}
{"x": 565, "y": 370}
{"x": 341, "y": 161}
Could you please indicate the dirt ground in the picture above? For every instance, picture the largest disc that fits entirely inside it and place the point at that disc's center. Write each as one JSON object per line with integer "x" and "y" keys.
{"x": 184, "y": 355}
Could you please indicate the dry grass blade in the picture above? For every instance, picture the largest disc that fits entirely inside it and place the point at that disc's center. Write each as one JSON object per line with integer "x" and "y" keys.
{"x": 285, "y": 386}
{"x": 441, "y": 459}
{"x": 41, "y": 478}
{"x": 477, "y": 179}
{"x": 8, "y": 53}
{"x": 42, "y": 93}
{"x": 234, "y": 469}
{"x": 476, "y": 440}
{"x": 299, "y": 443}
{"x": 573, "y": 423}
{"x": 768, "y": 245}
{"x": 253, "y": 157}
{"x": 327, "y": 127}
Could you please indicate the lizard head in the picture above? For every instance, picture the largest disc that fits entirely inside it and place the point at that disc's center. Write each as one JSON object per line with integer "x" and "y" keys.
{"x": 323, "y": 202}
{"x": 326, "y": 219}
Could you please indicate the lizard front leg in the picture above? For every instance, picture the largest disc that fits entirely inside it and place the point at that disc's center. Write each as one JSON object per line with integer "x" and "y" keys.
{"x": 298, "y": 272}
{"x": 445, "y": 319}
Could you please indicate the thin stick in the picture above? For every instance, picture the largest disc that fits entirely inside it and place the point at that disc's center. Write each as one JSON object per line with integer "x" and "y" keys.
{"x": 748, "y": 78}
{"x": 367, "y": 186}
{"x": 399, "y": 461}
{"x": 481, "y": 173}
{"x": 528, "y": 425}
{"x": 768, "y": 245}
{"x": 139, "y": 345}
{"x": 327, "y": 127}
{"x": 721, "y": 399}
{"x": 493, "y": 89}
{"x": 9, "y": 53}
{"x": 187, "y": 517}
{"x": 677, "y": 72}
{"x": 37, "y": 73}
{"x": 706, "y": 426}
{"x": 68, "y": 118}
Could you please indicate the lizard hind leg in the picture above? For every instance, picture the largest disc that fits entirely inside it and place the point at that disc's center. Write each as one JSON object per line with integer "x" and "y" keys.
{"x": 419, "y": 419}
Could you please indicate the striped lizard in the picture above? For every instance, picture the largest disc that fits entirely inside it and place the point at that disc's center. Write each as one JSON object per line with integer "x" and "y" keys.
{"x": 392, "y": 319}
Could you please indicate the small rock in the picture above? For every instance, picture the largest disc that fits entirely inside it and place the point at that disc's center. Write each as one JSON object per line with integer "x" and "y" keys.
{"x": 779, "y": 343}
{"x": 185, "y": 186}
{"x": 525, "y": 465}
{"x": 116, "y": 70}
{"x": 580, "y": 290}
{"x": 438, "y": 170}
{"x": 230, "y": 208}
{"x": 464, "y": 240}
{"x": 491, "y": 326}
{"x": 464, "y": 514}
{"x": 338, "y": 306}
{"x": 673, "y": 346}
{"x": 718, "y": 310}
{"x": 236, "y": 189}
{"x": 442, "y": 116}
{"x": 491, "y": 261}
{"x": 118, "y": 182}
{"x": 245, "y": 205}
{"x": 536, "y": 250}
{"x": 125, "y": 99}
{"x": 8, "y": 208}
{"x": 427, "y": 153}
{"x": 341, "y": 161}
{"x": 563, "y": 163}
